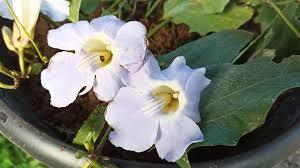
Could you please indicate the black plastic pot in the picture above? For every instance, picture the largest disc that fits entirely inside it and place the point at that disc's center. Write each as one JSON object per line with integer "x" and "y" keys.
{"x": 267, "y": 146}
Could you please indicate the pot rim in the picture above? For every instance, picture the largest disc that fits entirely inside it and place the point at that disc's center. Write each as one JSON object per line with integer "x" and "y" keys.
{"x": 55, "y": 153}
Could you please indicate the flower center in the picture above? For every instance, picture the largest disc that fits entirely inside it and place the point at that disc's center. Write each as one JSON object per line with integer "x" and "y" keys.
{"x": 168, "y": 98}
{"x": 98, "y": 51}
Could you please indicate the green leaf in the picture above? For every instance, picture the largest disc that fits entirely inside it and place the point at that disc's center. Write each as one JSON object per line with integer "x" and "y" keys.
{"x": 280, "y": 37}
{"x": 218, "y": 48}
{"x": 184, "y": 162}
{"x": 239, "y": 97}
{"x": 36, "y": 68}
{"x": 176, "y": 8}
{"x": 252, "y": 2}
{"x": 207, "y": 21}
{"x": 89, "y": 6}
{"x": 91, "y": 129}
{"x": 74, "y": 10}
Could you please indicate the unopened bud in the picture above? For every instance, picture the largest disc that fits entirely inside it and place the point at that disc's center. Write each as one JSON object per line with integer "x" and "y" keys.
{"x": 7, "y": 37}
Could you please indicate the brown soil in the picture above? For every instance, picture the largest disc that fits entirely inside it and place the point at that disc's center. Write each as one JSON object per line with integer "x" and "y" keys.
{"x": 68, "y": 120}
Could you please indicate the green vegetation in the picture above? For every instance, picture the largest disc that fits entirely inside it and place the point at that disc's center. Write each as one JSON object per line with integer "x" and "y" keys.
{"x": 12, "y": 157}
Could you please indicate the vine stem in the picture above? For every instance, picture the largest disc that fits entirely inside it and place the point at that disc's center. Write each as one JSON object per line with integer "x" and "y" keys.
{"x": 149, "y": 12}
{"x": 158, "y": 27}
{"x": 103, "y": 140}
{"x": 114, "y": 5}
{"x": 10, "y": 74}
{"x": 284, "y": 18}
{"x": 44, "y": 59}
{"x": 21, "y": 61}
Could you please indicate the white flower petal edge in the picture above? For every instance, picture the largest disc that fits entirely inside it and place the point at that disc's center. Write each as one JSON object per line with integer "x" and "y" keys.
{"x": 166, "y": 102}
{"x": 99, "y": 50}
{"x": 69, "y": 36}
{"x": 126, "y": 118}
{"x": 57, "y": 10}
{"x": 69, "y": 80}
{"x": 28, "y": 13}
{"x": 4, "y": 12}
{"x": 175, "y": 136}
{"x": 130, "y": 42}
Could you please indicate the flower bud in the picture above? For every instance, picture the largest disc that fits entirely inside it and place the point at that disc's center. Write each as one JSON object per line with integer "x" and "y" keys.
{"x": 7, "y": 37}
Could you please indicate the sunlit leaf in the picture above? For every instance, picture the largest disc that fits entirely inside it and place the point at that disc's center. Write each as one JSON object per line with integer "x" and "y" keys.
{"x": 218, "y": 48}
{"x": 211, "y": 16}
{"x": 74, "y": 10}
{"x": 177, "y": 8}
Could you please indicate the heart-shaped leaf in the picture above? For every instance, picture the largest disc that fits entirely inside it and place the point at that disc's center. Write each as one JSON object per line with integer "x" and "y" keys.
{"x": 175, "y": 8}
{"x": 239, "y": 97}
{"x": 207, "y": 16}
{"x": 218, "y": 48}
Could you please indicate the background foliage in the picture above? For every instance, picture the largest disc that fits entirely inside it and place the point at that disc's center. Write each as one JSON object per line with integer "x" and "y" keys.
{"x": 12, "y": 157}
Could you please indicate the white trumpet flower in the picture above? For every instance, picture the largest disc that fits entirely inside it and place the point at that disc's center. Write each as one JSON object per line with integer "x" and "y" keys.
{"x": 158, "y": 107}
{"x": 57, "y": 10}
{"x": 27, "y": 13}
{"x": 103, "y": 48}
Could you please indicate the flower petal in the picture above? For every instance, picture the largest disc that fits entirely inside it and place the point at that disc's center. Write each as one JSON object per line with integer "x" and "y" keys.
{"x": 64, "y": 80}
{"x": 108, "y": 82}
{"x": 195, "y": 84}
{"x": 57, "y": 10}
{"x": 174, "y": 137}
{"x": 4, "y": 12}
{"x": 69, "y": 36}
{"x": 133, "y": 130}
{"x": 27, "y": 13}
{"x": 109, "y": 24}
{"x": 143, "y": 78}
{"x": 130, "y": 45}
{"x": 178, "y": 71}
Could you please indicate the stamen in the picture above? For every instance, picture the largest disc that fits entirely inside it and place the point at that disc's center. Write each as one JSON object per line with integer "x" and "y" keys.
{"x": 87, "y": 61}
{"x": 151, "y": 106}
{"x": 169, "y": 98}
{"x": 175, "y": 95}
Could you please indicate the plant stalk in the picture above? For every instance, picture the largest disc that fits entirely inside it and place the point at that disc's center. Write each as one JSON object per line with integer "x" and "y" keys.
{"x": 21, "y": 61}
{"x": 284, "y": 18}
{"x": 152, "y": 8}
{"x": 157, "y": 28}
{"x": 103, "y": 140}
{"x": 116, "y": 3}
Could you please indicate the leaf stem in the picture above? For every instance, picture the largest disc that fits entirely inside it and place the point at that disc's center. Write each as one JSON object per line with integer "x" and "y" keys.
{"x": 284, "y": 18}
{"x": 114, "y": 5}
{"x": 21, "y": 61}
{"x": 10, "y": 74}
{"x": 44, "y": 59}
{"x": 6, "y": 72}
{"x": 152, "y": 8}
{"x": 6, "y": 86}
{"x": 103, "y": 140}
{"x": 157, "y": 28}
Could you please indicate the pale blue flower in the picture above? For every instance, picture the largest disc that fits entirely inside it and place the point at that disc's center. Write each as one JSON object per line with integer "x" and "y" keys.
{"x": 103, "y": 48}
{"x": 158, "y": 108}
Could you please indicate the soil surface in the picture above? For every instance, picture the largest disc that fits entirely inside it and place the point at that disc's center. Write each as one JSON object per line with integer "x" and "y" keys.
{"x": 68, "y": 120}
